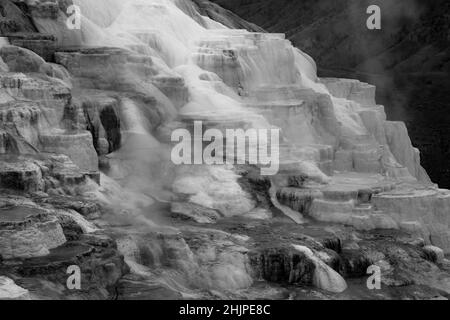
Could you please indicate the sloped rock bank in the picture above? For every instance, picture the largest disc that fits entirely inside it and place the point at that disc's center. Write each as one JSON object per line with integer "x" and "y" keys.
{"x": 47, "y": 173}
{"x": 31, "y": 236}
{"x": 41, "y": 239}
{"x": 312, "y": 261}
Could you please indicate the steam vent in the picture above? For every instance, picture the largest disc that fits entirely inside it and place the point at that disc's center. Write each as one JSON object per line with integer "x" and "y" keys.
{"x": 88, "y": 113}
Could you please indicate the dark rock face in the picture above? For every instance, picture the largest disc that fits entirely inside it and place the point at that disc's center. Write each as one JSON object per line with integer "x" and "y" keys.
{"x": 12, "y": 19}
{"x": 102, "y": 114}
{"x": 21, "y": 60}
{"x": 407, "y": 59}
{"x": 43, "y": 45}
{"x": 283, "y": 265}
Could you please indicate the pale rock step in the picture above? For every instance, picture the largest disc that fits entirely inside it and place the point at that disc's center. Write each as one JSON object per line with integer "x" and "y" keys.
{"x": 415, "y": 228}
{"x": 305, "y": 116}
{"x": 222, "y": 62}
{"x": 373, "y": 119}
{"x": 363, "y": 210}
{"x": 332, "y": 211}
{"x": 78, "y": 146}
{"x": 369, "y": 158}
{"x": 18, "y": 59}
{"x": 213, "y": 187}
{"x": 272, "y": 94}
{"x": 278, "y": 111}
{"x": 94, "y": 67}
{"x": 28, "y": 231}
{"x": 123, "y": 70}
{"x": 362, "y": 218}
{"x": 427, "y": 206}
{"x": 435, "y": 254}
{"x": 349, "y": 89}
{"x": 299, "y": 163}
{"x": 25, "y": 124}
{"x": 358, "y": 187}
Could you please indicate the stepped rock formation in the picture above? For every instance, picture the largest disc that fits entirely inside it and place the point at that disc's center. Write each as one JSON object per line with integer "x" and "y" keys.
{"x": 86, "y": 178}
{"x": 408, "y": 59}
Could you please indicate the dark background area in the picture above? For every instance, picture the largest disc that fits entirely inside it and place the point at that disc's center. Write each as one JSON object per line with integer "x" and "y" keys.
{"x": 408, "y": 59}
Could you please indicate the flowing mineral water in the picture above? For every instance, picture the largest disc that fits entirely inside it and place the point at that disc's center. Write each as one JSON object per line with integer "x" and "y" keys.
{"x": 267, "y": 69}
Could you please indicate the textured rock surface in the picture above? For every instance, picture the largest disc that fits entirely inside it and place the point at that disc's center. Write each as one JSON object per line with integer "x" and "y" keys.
{"x": 43, "y": 172}
{"x": 21, "y": 60}
{"x": 30, "y": 237}
{"x": 429, "y": 207}
{"x": 10, "y": 291}
{"x": 42, "y": 44}
{"x": 349, "y": 193}
{"x": 408, "y": 61}
{"x": 13, "y": 19}
{"x": 225, "y": 17}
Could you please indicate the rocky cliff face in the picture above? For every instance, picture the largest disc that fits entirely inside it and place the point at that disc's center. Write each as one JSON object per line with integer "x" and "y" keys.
{"x": 407, "y": 59}
{"x": 86, "y": 118}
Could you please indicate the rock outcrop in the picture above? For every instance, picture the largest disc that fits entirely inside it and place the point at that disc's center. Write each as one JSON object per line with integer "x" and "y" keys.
{"x": 10, "y": 291}
{"x": 13, "y": 19}
{"x": 324, "y": 277}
